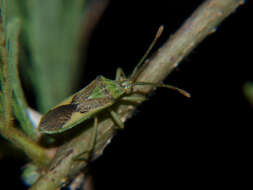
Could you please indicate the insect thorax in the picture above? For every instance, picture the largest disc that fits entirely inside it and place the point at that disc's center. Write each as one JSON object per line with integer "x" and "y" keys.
{"x": 112, "y": 88}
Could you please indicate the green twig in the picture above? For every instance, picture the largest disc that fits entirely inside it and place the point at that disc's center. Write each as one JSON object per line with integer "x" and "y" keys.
{"x": 3, "y": 12}
{"x": 18, "y": 103}
{"x": 11, "y": 94}
{"x": 6, "y": 94}
{"x": 36, "y": 153}
{"x": 202, "y": 23}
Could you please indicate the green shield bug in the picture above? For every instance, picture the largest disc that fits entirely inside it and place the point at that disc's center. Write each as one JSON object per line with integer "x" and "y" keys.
{"x": 100, "y": 94}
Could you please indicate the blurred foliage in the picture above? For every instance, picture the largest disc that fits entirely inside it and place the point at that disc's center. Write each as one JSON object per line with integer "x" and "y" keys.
{"x": 248, "y": 91}
{"x": 51, "y": 37}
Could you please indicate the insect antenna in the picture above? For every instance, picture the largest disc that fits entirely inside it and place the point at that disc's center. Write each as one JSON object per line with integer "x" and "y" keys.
{"x": 181, "y": 91}
{"x": 137, "y": 70}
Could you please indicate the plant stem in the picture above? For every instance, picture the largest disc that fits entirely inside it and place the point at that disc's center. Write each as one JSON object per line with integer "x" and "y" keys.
{"x": 18, "y": 101}
{"x": 37, "y": 154}
{"x": 11, "y": 95}
{"x": 202, "y": 23}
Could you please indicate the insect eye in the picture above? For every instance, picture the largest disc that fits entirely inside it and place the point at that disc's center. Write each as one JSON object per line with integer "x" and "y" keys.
{"x": 126, "y": 84}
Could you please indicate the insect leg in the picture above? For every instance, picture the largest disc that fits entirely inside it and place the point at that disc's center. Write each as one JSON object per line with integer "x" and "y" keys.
{"x": 116, "y": 119}
{"x": 138, "y": 98}
{"x": 120, "y": 75}
{"x": 93, "y": 136}
{"x": 91, "y": 145}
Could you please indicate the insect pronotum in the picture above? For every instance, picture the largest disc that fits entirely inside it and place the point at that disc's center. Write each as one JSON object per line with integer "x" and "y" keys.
{"x": 100, "y": 94}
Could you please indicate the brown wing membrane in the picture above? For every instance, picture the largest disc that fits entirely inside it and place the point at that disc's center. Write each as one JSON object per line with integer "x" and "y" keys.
{"x": 56, "y": 118}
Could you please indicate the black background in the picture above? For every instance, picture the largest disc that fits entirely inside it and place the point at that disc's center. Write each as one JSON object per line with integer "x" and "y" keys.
{"x": 173, "y": 141}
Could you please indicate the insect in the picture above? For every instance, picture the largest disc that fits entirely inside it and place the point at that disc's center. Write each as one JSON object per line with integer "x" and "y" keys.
{"x": 99, "y": 95}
